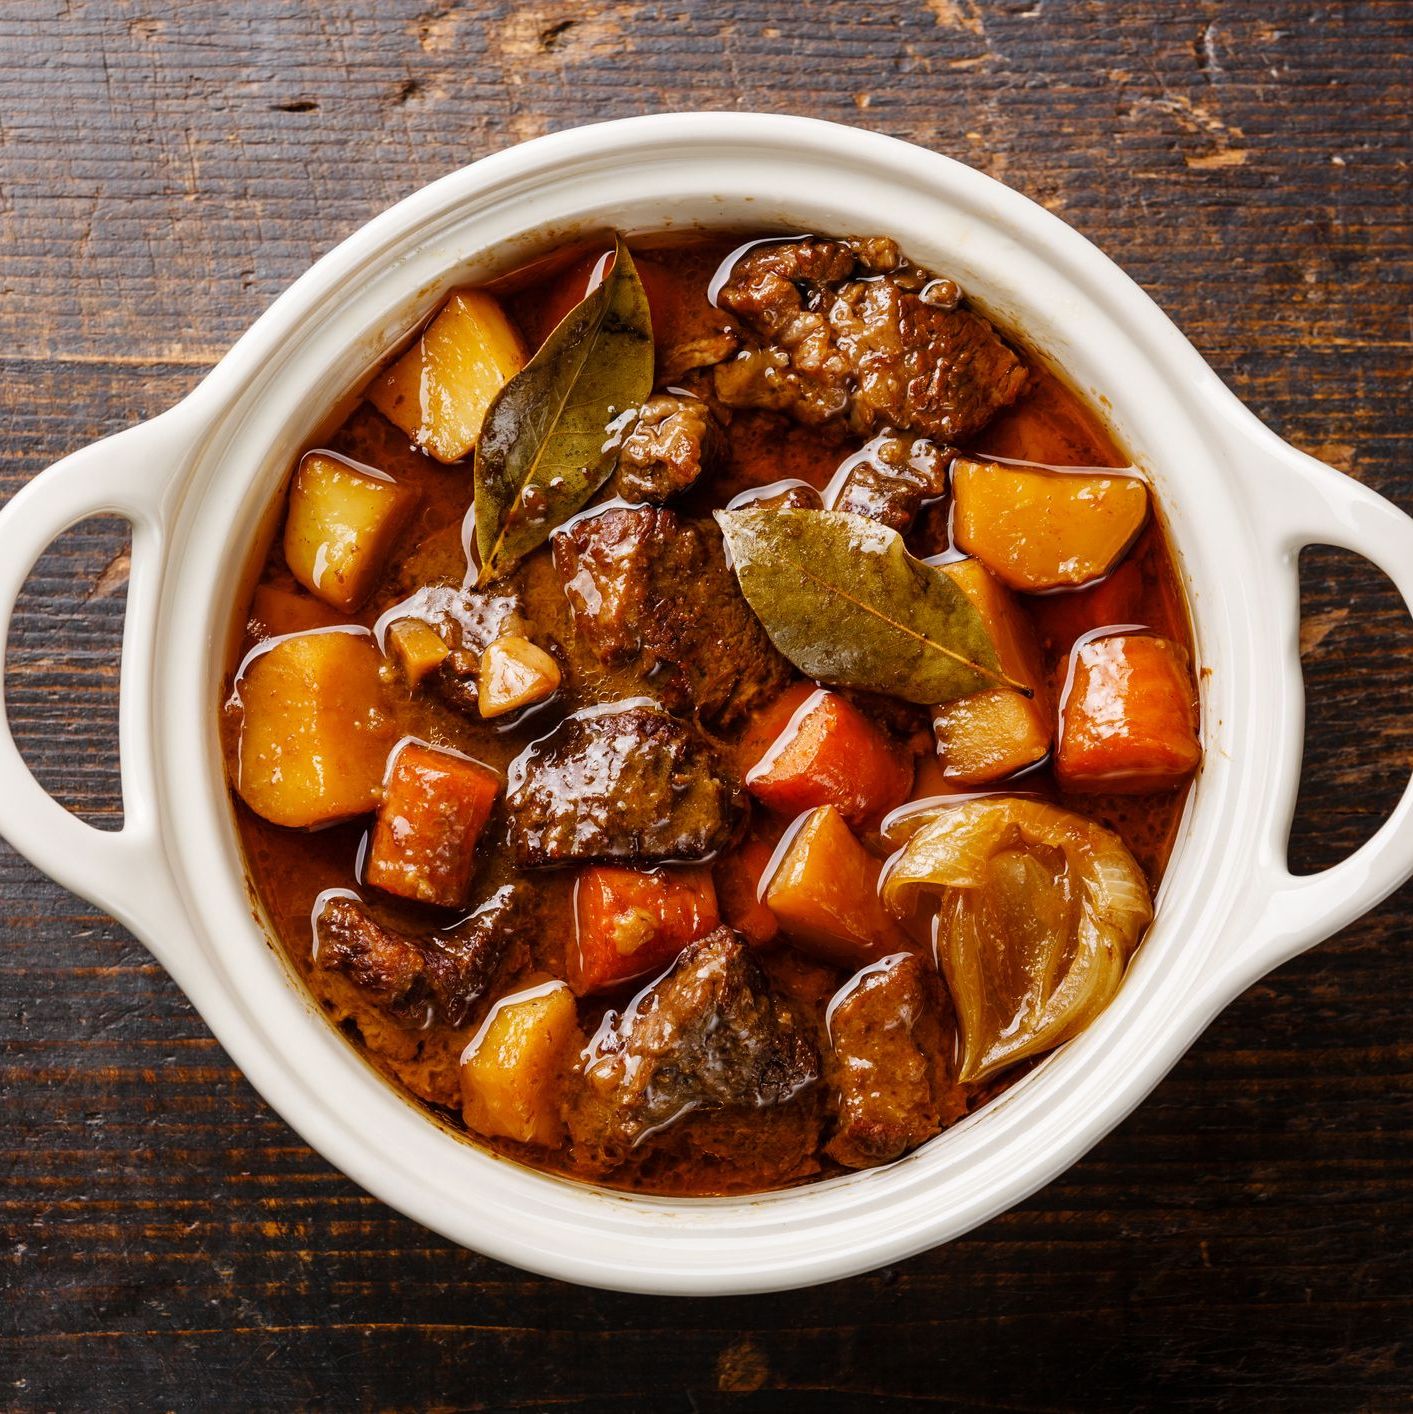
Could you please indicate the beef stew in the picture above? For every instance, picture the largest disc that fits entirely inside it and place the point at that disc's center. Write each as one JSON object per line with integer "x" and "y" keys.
{"x": 716, "y": 712}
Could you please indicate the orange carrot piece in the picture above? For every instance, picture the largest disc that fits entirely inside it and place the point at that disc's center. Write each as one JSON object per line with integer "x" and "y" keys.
{"x": 767, "y": 724}
{"x": 1128, "y": 721}
{"x": 435, "y": 805}
{"x": 831, "y": 754}
{"x": 631, "y": 922}
{"x": 824, "y": 892}
{"x": 738, "y": 879}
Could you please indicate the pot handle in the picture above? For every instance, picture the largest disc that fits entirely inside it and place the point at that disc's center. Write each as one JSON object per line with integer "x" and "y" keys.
{"x": 1315, "y": 505}
{"x": 132, "y": 474}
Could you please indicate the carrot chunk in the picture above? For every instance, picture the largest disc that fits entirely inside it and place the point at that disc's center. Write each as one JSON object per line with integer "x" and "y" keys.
{"x": 1128, "y": 721}
{"x": 824, "y": 892}
{"x": 997, "y": 731}
{"x": 631, "y": 922}
{"x": 767, "y": 724}
{"x": 831, "y": 754}
{"x": 1040, "y": 529}
{"x": 435, "y": 805}
{"x": 738, "y": 879}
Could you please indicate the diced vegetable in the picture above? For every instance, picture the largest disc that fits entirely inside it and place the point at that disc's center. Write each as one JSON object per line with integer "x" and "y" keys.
{"x": 1038, "y": 910}
{"x": 831, "y": 754}
{"x": 275, "y": 612}
{"x": 418, "y": 648}
{"x": 1128, "y": 721}
{"x": 824, "y": 892}
{"x": 515, "y": 673}
{"x": 998, "y": 731}
{"x": 738, "y": 877}
{"x": 343, "y": 520}
{"x": 1040, "y": 529}
{"x": 1114, "y": 601}
{"x": 514, "y": 1070}
{"x": 631, "y": 922}
{"x": 439, "y": 390}
{"x": 764, "y": 726}
{"x": 315, "y": 728}
{"x": 435, "y": 806}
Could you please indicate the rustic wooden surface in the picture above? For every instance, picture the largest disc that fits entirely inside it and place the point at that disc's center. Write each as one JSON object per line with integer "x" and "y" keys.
{"x": 1245, "y": 1240}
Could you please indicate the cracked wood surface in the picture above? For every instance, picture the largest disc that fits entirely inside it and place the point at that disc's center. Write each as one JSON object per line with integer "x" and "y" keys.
{"x": 165, "y": 1241}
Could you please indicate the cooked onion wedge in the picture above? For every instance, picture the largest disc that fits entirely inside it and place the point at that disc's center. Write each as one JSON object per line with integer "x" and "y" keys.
{"x": 1038, "y": 910}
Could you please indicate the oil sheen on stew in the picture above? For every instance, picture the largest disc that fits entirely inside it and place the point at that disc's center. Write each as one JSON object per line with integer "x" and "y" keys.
{"x": 714, "y": 714}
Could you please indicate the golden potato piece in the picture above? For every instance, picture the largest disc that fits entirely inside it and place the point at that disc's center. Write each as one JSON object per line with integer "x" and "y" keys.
{"x": 1038, "y": 529}
{"x": 515, "y": 673}
{"x": 439, "y": 390}
{"x": 513, "y": 1071}
{"x": 343, "y": 520}
{"x": 315, "y": 730}
{"x": 998, "y": 731}
{"x": 418, "y": 648}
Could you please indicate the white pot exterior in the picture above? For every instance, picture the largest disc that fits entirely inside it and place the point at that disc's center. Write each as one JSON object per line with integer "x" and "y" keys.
{"x": 196, "y": 482}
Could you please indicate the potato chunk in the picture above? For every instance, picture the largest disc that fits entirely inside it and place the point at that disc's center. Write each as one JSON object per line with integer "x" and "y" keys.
{"x": 1128, "y": 722}
{"x": 515, "y": 673}
{"x": 824, "y": 892}
{"x": 418, "y": 648}
{"x": 439, "y": 390}
{"x": 1040, "y": 529}
{"x": 998, "y": 731}
{"x": 343, "y": 520}
{"x": 513, "y": 1071}
{"x": 315, "y": 729}
{"x": 435, "y": 805}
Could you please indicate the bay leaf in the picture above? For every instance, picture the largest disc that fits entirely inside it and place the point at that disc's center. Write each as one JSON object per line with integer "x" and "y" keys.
{"x": 843, "y": 600}
{"x": 551, "y": 436}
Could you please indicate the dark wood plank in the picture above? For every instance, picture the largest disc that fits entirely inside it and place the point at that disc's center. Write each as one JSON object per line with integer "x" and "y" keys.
{"x": 1245, "y": 1239}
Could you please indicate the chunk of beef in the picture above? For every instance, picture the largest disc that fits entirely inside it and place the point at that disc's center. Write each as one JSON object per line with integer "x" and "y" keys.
{"x": 676, "y": 439}
{"x": 890, "y": 1062}
{"x": 437, "y": 976}
{"x": 710, "y": 1035}
{"x": 851, "y": 329}
{"x": 627, "y": 784}
{"x": 890, "y": 479}
{"x": 651, "y": 590}
{"x": 679, "y": 360}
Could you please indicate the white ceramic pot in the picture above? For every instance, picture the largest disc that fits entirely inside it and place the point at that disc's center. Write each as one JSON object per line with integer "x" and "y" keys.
{"x": 196, "y": 482}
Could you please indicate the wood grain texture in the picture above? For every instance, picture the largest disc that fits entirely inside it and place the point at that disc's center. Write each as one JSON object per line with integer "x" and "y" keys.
{"x": 165, "y": 1241}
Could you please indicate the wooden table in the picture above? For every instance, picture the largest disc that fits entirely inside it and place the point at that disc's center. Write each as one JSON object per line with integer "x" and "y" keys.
{"x": 1244, "y": 1240}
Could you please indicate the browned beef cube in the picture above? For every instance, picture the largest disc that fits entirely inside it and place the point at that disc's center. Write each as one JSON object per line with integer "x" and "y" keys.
{"x": 676, "y": 439}
{"x": 653, "y": 591}
{"x": 890, "y": 479}
{"x": 709, "y": 1036}
{"x": 631, "y": 784}
{"x": 850, "y": 329}
{"x": 890, "y": 1063}
{"x": 410, "y": 977}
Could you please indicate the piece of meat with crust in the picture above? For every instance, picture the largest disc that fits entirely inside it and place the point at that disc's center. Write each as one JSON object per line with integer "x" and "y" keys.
{"x": 651, "y": 590}
{"x": 420, "y": 978}
{"x": 850, "y": 329}
{"x": 676, "y": 440}
{"x": 890, "y": 1062}
{"x": 708, "y": 1036}
{"x": 890, "y": 479}
{"x": 626, "y": 784}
